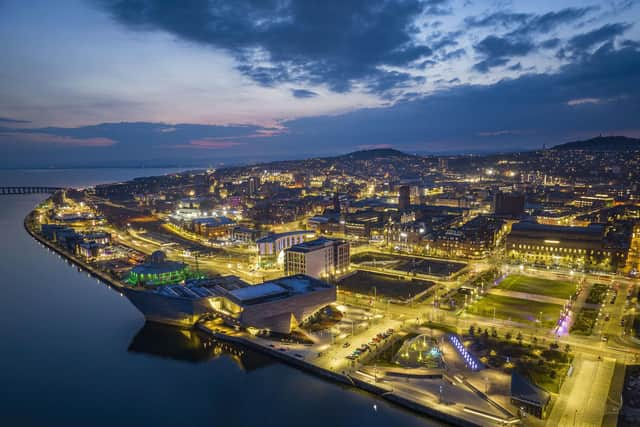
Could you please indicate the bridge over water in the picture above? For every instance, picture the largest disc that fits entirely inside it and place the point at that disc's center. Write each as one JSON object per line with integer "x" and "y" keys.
{"x": 28, "y": 190}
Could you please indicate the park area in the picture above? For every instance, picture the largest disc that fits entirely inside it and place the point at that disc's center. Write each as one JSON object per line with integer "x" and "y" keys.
{"x": 408, "y": 264}
{"x": 388, "y": 286}
{"x": 535, "y": 285}
{"x": 515, "y": 309}
{"x": 545, "y": 365}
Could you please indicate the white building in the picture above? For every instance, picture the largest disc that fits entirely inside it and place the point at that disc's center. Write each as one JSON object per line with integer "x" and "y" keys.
{"x": 318, "y": 258}
{"x": 271, "y": 248}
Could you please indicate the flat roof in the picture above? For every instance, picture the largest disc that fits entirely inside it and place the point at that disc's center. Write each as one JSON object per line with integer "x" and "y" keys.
{"x": 274, "y": 237}
{"x": 257, "y": 291}
{"x": 160, "y": 268}
{"x": 311, "y": 245}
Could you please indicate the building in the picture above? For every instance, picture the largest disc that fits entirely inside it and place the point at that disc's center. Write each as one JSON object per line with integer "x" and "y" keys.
{"x": 404, "y": 198}
{"x": 245, "y": 235}
{"x": 583, "y": 248}
{"x": 317, "y": 258}
{"x": 158, "y": 271}
{"x": 475, "y": 239}
{"x": 529, "y": 397}
{"x": 275, "y": 306}
{"x": 279, "y": 305}
{"x": 271, "y": 248}
{"x": 508, "y": 204}
{"x": 219, "y": 227}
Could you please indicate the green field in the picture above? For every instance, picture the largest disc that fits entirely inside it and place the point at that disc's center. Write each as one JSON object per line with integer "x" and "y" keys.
{"x": 597, "y": 294}
{"x": 534, "y": 285}
{"x": 516, "y": 309}
{"x": 584, "y": 322}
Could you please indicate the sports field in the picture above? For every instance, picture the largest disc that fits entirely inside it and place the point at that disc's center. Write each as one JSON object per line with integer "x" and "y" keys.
{"x": 535, "y": 285}
{"x": 515, "y": 309}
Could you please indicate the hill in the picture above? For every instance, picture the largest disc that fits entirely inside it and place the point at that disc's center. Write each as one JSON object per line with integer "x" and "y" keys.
{"x": 376, "y": 153}
{"x": 602, "y": 143}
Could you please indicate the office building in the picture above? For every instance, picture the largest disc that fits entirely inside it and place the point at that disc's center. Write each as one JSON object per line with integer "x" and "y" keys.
{"x": 318, "y": 258}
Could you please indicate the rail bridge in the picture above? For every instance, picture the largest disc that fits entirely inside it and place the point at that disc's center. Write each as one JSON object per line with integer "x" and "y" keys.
{"x": 28, "y": 190}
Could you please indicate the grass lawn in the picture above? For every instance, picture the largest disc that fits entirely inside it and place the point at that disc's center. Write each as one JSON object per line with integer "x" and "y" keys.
{"x": 516, "y": 309}
{"x": 534, "y": 285}
{"x": 597, "y": 294}
{"x": 584, "y": 322}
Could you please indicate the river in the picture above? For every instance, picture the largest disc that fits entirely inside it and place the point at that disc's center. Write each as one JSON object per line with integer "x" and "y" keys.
{"x": 73, "y": 352}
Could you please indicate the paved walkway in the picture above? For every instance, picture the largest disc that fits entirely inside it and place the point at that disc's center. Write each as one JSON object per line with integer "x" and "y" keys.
{"x": 582, "y": 400}
{"x": 527, "y": 296}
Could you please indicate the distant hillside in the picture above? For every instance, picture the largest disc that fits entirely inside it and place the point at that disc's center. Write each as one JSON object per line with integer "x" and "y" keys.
{"x": 376, "y": 153}
{"x": 602, "y": 143}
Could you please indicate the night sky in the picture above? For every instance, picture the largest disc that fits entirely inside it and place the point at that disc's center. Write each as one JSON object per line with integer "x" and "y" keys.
{"x": 197, "y": 82}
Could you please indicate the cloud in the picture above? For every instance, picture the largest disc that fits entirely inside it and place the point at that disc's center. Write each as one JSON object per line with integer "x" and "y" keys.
{"x": 211, "y": 144}
{"x": 498, "y": 50}
{"x": 531, "y": 109}
{"x": 583, "y": 42}
{"x": 582, "y": 101}
{"x": 303, "y": 93}
{"x": 13, "y": 121}
{"x": 512, "y": 114}
{"x": 45, "y": 138}
{"x": 336, "y": 43}
{"x": 526, "y": 24}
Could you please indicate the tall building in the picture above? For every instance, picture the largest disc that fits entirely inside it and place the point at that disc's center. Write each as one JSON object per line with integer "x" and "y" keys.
{"x": 252, "y": 187}
{"x": 318, "y": 258}
{"x": 508, "y": 204}
{"x": 404, "y": 198}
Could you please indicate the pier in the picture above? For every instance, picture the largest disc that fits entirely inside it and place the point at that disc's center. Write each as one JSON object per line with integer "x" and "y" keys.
{"x": 5, "y": 191}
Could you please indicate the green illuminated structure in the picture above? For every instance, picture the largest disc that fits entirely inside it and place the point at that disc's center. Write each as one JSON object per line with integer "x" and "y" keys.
{"x": 159, "y": 271}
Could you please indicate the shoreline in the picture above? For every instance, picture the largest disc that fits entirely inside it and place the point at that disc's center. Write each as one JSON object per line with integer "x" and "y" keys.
{"x": 305, "y": 366}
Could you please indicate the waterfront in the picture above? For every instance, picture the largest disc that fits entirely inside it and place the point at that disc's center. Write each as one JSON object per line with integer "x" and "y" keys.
{"x": 77, "y": 353}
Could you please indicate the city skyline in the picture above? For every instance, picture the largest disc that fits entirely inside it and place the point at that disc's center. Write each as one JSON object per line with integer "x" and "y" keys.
{"x": 122, "y": 83}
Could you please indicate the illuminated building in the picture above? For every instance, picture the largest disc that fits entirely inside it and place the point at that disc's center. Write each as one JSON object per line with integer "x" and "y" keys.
{"x": 278, "y": 305}
{"x": 271, "y": 248}
{"x": 158, "y": 271}
{"x": 573, "y": 247}
{"x": 321, "y": 257}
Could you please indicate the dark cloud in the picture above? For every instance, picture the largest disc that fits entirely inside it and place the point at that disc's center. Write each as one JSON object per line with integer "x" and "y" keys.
{"x": 454, "y": 54}
{"x": 515, "y": 67}
{"x": 497, "y": 51}
{"x": 10, "y": 120}
{"x": 498, "y": 19}
{"x": 526, "y": 24}
{"x": 584, "y": 42}
{"x": 336, "y": 42}
{"x": 303, "y": 93}
{"x": 550, "y": 43}
{"x": 536, "y": 108}
{"x": 549, "y": 21}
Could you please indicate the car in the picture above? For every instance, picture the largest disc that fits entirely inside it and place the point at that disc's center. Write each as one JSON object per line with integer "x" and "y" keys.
{"x": 345, "y": 345}
{"x": 605, "y": 338}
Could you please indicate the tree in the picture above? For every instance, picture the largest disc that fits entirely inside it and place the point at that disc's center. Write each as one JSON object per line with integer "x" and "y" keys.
{"x": 494, "y": 333}
{"x": 472, "y": 330}
{"x": 535, "y": 340}
{"x": 567, "y": 349}
{"x": 508, "y": 336}
{"x": 519, "y": 338}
